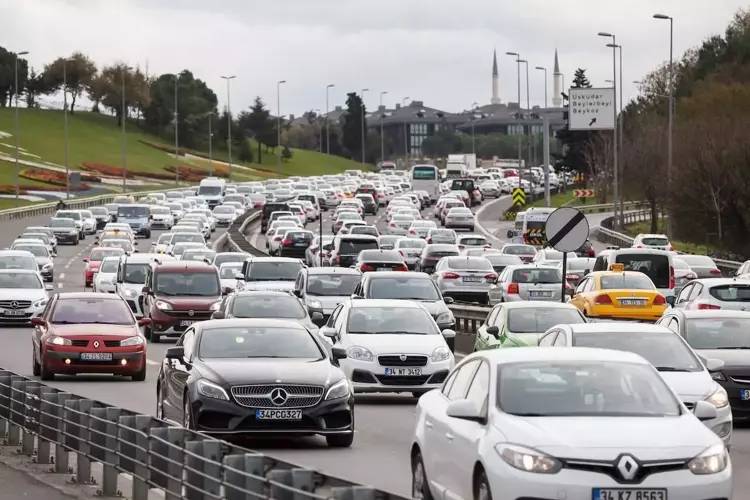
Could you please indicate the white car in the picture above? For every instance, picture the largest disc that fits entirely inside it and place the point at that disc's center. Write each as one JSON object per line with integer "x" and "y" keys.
{"x": 89, "y": 221}
{"x": 563, "y": 423}
{"x": 400, "y": 224}
{"x": 161, "y": 217}
{"x": 23, "y": 295}
{"x": 228, "y": 275}
{"x": 392, "y": 345}
{"x": 655, "y": 241}
{"x": 224, "y": 215}
{"x": 105, "y": 277}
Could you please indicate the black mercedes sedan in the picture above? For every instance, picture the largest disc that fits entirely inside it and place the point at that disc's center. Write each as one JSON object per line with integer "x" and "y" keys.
{"x": 256, "y": 377}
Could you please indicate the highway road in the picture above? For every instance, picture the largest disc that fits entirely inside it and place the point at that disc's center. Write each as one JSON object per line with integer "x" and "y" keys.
{"x": 384, "y": 424}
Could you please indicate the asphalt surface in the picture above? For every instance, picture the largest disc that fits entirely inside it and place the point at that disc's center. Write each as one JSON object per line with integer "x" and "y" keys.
{"x": 384, "y": 424}
{"x": 17, "y": 485}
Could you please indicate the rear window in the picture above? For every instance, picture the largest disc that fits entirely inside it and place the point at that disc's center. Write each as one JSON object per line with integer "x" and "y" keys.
{"x": 424, "y": 173}
{"x": 540, "y": 319}
{"x": 381, "y": 256}
{"x": 470, "y": 264}
{"x": 656, "y": 242}
{"x": 274, "y": 271}
{"x": 731, "y": 293}
{"x": 626, "y": 281}
{"x": 519, "y": 250}
{"x": 655, "y": 267}
{"x": 473, "y": 242}
{"x": 537, "y": 276}
{"x": 352, "y": 247}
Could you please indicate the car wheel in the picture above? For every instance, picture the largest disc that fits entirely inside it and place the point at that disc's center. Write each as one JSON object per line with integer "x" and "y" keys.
{"x": 44, "y": 373}
{"x": 140, "y": 376}
{"x": 340, "y": 440}
{"x": 75, "y": 241}
{"x": 35, "y": 368}
{"x": 420, "y": 488}
{"x": 482, "y": 487}
{"x": 155, "y": 338}
{"x": 187, "y": 414}
{"x": 159, "y": 402}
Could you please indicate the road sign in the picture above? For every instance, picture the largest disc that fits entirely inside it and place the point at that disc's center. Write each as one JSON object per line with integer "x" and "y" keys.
{"x": 591, "y": 109}
{"x": 584, "y": 193}
{"x": 519, "y": 197}
{"x": 535, "y": 237}
{"x": 567, "y": 229}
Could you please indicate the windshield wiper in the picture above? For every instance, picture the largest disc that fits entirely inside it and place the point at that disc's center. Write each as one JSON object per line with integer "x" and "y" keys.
{"x": 671, "y": 369}
{"x": 400, "y": 332}
{"x": 731, "y": 347}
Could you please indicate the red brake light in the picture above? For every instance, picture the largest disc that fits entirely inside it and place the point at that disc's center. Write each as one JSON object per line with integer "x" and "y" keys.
{"x": 708, "y": 306}
{"x": 401, "y": 267}
{"x": 490, "y": 276}
{"x": 672, "y": 281}
{"x": 659, "y": 300}
{"x": 450, "y": 276}
{"x": 513, "y": 288}
{"x": 716, "y": 272}
{"x": 366, "y": 268}
{"x": 603, "y": 299}
{"x": 287, "y": 243}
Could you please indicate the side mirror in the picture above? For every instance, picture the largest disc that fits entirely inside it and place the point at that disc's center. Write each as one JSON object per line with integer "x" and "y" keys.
{"x": 317, "y": 318}
{"x": 714, "y": 365}
{"x": 218, "y": 315}
{"x": 146, "y": 290}
{"x": 144, "y": 321}
{"x": 297, "y": 293}
{"x": 338, "y": 353}
{"x": 226, "y": 290}
{"x": 704, "y": 410}
{"x": 175, "y": 353}
{"x": 38, "y": 322}
{"x": 354, "y": 296}
{"x": 466, "y": 410}
{"x": 448, "y": 333}
{"x": 494, "y": 331}
{"x": 329, "y": 333}
{"x": 671, "y": 300}
{"x": 449, "y": 300}
{"x": 49, "y": 287}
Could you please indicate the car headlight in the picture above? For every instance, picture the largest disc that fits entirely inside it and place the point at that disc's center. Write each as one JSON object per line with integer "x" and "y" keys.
{"x": 39, "y": 304}
{"x": 719, "y": 398}
{"x": 713, "y": 460}
{"x": 47, "y": 266}
{"x": 163, "y": 306}
{"x": 446, "y": 317}
{"x": 130, "y": 293}
{"x": 527, "y": 459}
{"x": 340, "y": 389}
{"x": 137, "y": 340}
{"x": 215, "y": 306}
{"x": 315, "y": 304}
{"x": 211, "y": 390}
{"x": 440, "y": 354}
{"x": 359, "y": 353}
{"x": 55, "y": 340}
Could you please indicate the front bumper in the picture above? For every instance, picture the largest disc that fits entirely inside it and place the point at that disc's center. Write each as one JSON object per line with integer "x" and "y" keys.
{"x": 66, "y": 237}
{"x": 369, "y": 376}
{"x": 134, "y": 358}
{"x": 22, "y": 318}
{"x": 740, "y": 407}
{"x": 173, "y": 323}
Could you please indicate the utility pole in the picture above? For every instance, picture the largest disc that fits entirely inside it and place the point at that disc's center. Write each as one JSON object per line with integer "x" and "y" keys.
{"x": 17, "y": 128}
{"x": 229, "y": 123}
{"x": 406, "y": 135}
{"x": 65, "y": 125}
{"x": 670, "y": 103}
{"x": 278, "y": 120}
{"x": 616, "y": 188}
{"x": 518, "y": 74}
{"x": 328, "y": 129}
{"x": 473, "y": 136}
{"x": 381, "y": 111}
{"x": 210, "y": 146}
{"x": 176, "y": 139}
{"x": 528, "y": 133}
{"x": 542, "y": 68}
{"x": 362, "y": 111}
{"x": 124, "y": 137}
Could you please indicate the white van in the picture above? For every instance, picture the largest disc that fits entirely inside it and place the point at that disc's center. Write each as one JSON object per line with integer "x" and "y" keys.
{"x": 535, "y": 218}
{"x": 656, "y": 264}
{"x": 212, "y": 190}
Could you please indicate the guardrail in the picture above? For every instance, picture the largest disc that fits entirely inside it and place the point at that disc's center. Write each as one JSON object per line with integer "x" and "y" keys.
{"x": 609, "y": 207}
{"x": 469, "y": 317}
{"x": 182, "y": 463}
{"x": 235, "y": 240}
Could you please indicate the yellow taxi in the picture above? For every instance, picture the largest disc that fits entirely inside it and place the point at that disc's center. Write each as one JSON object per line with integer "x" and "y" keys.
{"x": 619, "y": 294}
{"x": 115, "y": 234}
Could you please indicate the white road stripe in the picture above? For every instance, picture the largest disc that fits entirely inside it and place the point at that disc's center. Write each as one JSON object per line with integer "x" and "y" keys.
{"x": 152, "y": 363}
{"x": 61, "y": 276}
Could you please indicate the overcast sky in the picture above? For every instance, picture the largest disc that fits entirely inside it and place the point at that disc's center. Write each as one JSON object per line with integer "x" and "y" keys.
{"x": 437, "y": 51}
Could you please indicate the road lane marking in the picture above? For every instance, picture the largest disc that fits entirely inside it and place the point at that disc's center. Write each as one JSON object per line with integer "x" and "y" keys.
{"x": 61, "y": 276}
{"x": 152, "y": 363}
{"x": 59, "y": 285}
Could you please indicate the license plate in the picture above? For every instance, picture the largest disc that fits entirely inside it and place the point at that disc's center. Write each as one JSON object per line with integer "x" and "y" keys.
{"x": 473, "y": 279}
{"x": 300, "y": 244}
{"x": 404, "y": 372}
{"x": 14, "y": 312}
{"x": 96, "y": 356}
{"x": 278, "y": 414}
{"x": 629, "y": 494}
{"x": 632, "y": 302}
{"x": 745, "y": 394}
{"x": 186, "y": 322}
{"x": 540, "y": 294}
{"x": 383, "y": 269}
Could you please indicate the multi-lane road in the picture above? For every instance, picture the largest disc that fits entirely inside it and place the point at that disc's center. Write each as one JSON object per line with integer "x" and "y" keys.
{"x": 384, "y": 424}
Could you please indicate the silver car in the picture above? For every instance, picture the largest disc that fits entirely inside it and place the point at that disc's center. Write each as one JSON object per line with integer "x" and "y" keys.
{"x": 441, "y": 235}
{"x": 530, "y": 282}
{"x": 702, "y": 265}
{"x": 465, "y": 277}
{"x": 421, "y": 228}
{"x": 411, "y": 250}
{"x": 400, "y": 224}
{"x": 715, "y": 293}
{"x": 459, "y": 217}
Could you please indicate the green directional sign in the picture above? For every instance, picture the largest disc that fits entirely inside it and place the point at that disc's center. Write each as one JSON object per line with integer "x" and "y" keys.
{"x": 519, "y": 197}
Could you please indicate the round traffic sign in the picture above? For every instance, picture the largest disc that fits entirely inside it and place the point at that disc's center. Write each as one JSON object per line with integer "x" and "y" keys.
{"x": 567, "y": 229}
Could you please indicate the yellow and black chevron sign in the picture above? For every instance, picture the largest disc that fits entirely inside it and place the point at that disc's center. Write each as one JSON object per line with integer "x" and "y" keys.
{"x": 535, "y": 237}
{"x": 519, "y": 197}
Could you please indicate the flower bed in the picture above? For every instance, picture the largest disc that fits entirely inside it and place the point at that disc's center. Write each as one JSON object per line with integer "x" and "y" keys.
{"x": 104, "y": 169}
{"x": 53, "y": 177}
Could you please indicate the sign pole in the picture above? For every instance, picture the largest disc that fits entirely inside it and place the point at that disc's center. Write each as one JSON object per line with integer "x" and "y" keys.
{"x": 320, "y": 240}
{"x": 564, "y": 273}
{"x": 545, "y": 124}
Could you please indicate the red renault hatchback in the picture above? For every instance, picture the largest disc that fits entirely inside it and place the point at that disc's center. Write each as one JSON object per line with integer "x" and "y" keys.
{"x": 88, "y": 333}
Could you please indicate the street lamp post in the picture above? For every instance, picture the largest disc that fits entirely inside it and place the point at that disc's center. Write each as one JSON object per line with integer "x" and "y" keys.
{"x": 473, "y": 136}
{"x": 542, "y": 68}
{"x": 382, "y": 114}
{"x": 229, "y": 123}
{"x": 210, "y": 145}
{"x": 17, "y": 131}
{"x": 615, "y": 184}
{"x": 670, "y": 104}
{"x": 620, "y": 124}
{"x": 176, "y": 134}
{"x": 362, "y": 110}
{"x": 518, "y": 74}
{"x": 328, "y": 128}
{"x": 406, "y": 135}
{"x": 65, "y": 125}
{"x": 528, "y": 110}
{"x": 124, "y": 138}
{"x": 278, "y": 119}
{"x": 320, "y": 131}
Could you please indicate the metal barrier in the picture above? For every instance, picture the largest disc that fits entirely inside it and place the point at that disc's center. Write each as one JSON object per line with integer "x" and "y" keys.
{"x": 180, "y": 462}
{"x": 236, "y": 240}
{"x": 469, "y": 317}
{"x": 609, "y": 207}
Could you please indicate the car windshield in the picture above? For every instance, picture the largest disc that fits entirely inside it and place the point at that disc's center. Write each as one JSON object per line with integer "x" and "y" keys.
{"x": 209, "y": 190}
{"x": 229, "y": 257}
{"x": 67, "y": 222}
{"x": 19, "y": 280}
{"x": 136, "y": 273}
{"x": 540, "y": 319}
{"x": 267, "y": 306}
{"x": 160, "y": 211}
{"x": 98, "y": 254}
{"x": 200, "y": 284}
{"x": 403, "y": 288}
{"x": 470, "y": 264}
{"x": 380, "y": 256}
{"x": 133, "y": 211}
{"x": 92, "y": 310}
{"x": 473, "y": 242}
{"x": 362, "y": 229}
{"x": 332, "y": 284}
{"x": 734, "y": 292}
{"x": 229, "y": 270}
{"x": 199, "y": 255}
{"x": 577, "y": 388}
{"x": 520, "y": 250}
{"x": 224, "y": 210}
{"x": 109, "y": 266}
{"x": 124, "y": 245}
{"x": 718, "y": 333}
{"x": 656, "y": 241}
{"x": 537, "y": 275}
{"x": 18, "y": 262}
{"x": 390, "y": 320}
{"x": 654, "y": 266}
{"x": 666, "y": 351}
{"x": 273, "y": 271}
{"x": 187, "y": 238}
{"x": 258, "y": 342}
{"x": 412, "y": 243}
{"x": 635, "y": 281}
{"x": 353, "y": 247}
{"x": 36, "y": 250}
{"x": 69, "y": 215}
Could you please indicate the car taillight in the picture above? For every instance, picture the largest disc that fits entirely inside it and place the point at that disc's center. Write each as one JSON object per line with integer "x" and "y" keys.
{"x": 671, "y": 277}
{"x": 450, "y": 276}
{"x": 659, "y": 300}
{"x": 715, "y": 272}
{"x": 401, "y": 267}
{"x": 602, "y": 299}
{"x": 708, "y": 306}
{"x": 287, "y": 243}
{"x": 490, "y": 276}
{"x": 513, "y": 288}
{"x": 429, "y": 240}
{"x": 366, "y": 268}
{"x": 571, "y": 277}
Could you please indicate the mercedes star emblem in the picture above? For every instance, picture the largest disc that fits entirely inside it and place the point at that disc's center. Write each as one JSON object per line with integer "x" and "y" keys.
{"x": 191, "y": 312}
{"x": 628, "y": 467}
{"x": 279, "y": 396}
{"x": 402, "y": 357}
{"x": 96, "y": 344}
{"x": 14, "y": 305}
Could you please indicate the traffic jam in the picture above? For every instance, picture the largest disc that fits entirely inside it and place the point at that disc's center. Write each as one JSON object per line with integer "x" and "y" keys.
{"x": 615, "y": 374}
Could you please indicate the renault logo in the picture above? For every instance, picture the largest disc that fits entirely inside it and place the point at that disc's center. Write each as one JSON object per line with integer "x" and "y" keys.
{"x": 96, "y": 344}
{"x": 191, "y": 312}
{"x": 279, "y": 396}
{"x": 627, "y": 466}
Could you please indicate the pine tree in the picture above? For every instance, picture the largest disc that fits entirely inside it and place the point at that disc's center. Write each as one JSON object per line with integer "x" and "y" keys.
{"x": 580, "y": 80}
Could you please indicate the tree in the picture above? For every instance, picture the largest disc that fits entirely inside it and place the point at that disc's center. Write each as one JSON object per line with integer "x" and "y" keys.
{"x": 444, "y": 142}
{"x": 7, "y": 76}
{"x": 580, "y": 80}
{"x": 35, "y": 85}
{"x": 258, "y": 123}
{"x": 286, "y": 153}
{"x": 351, "y": 127}
{"x": 107, "y": 89}
{"x": 79, "y": 74}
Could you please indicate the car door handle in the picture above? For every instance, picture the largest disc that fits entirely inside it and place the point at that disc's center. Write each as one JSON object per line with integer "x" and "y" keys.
{"x": 449, "y": 436}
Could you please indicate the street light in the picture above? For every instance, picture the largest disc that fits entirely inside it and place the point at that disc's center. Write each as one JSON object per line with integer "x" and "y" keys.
{"x": 362, "y": 101}
{"x": 320, "y": 131}
{"x": 328, "y": 128}
{"x": 670, "y": 104}
{"x": 542, "y": 68}
{"x": 473, "y": 116}
{"x": 210, "y": 145}
{"x": 406, "y": 135}
{"x": 382, "y": 114}
{"x": 229, "y": 123}
{"x": 65, "y": 124}
{"x": 278, "y": 119}
{"x": 17, "y": 131}
{"x": 176, "y": 134}
{"x": 528, "y": 110}
{"x": 124, "y": 138}
{"x": 518, "y": 74}
{"x": 616, "y": 188}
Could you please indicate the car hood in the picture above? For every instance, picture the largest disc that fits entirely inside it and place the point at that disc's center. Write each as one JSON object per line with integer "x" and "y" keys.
{"x": 94, "y": 330}
{"x": 732, "y": 358}
{"x": 22, "y": 294}
{"x": 690, "y": 386}
{"x": 282, "y": 286}
{"x": 592, "y": 437}
{"x": 329, "y": 302}
{"x": 234, "y": 371}
{"x": 434, "y": 307}
{"x": 43, "y": 260}
{"x": 398, "y": 343}
{"x": 187, "y": 303}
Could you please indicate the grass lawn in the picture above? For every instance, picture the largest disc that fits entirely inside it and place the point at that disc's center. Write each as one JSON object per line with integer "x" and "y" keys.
{"x": 557, "y": 200}
{"x": 8, "y": 175}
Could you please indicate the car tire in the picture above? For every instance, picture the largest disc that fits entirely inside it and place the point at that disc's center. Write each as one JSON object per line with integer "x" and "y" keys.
{"x": 148, "y": 234}
{"x": 140, "y": 376}
{"x": 36, "y": 369}
{"x": 340, "y": 440}
{"x": 159, "y": 413}
{"x": 187, "y": 414}
{"x": 44, "y": 373}
{"x": 482, "y": 486}
{"x": 155, "y": 338}
{"x": 420, "y": 487}
{"x": 75, "y": 241}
